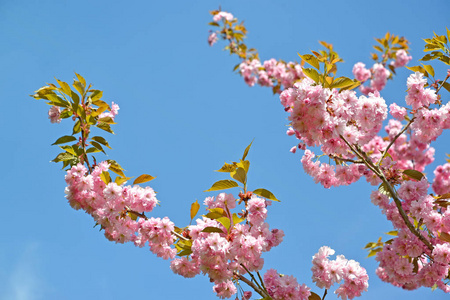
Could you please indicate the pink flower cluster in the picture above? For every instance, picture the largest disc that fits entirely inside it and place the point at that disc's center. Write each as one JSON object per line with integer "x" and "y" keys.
{"x": 54, "y": 114}
{"x": 441, "y": 183}
{"x": 401, "y": 59}
{"x": 271, "y": 73}
{"x": 222, "y": 15}
{"x": 112, "y": 113}
{"x": 285, "y": 287}
{"x": 326, "y": 272}
{"x": 378, "y": 74}
{"x": 418, "y": 96}
{"x": 224, "y": 252}
{"x": 116, "y": 209}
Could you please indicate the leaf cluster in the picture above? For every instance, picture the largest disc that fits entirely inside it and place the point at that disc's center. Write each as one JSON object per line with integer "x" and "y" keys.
{"x": 437, "y": 48}
{"x": 324, "y": 69}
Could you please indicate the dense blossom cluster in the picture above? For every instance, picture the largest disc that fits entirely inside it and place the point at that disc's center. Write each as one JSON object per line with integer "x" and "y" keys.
{"x": 326, "y": 272}
{"x": 236, "y": 250}
{"x": 271, "y": 73}
{"x": 116, "y": 207}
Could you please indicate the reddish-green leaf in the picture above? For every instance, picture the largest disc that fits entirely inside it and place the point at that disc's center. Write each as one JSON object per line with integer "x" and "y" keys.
{"x": 194, "y": 209}
{"x": 143, "y": 178}
{"x": 227, "y": 168}
{"x": 266, "y": 194}
{"x": 414, "y": 174}
{"x": 212, "y": 229}
{"x": 65, "y": 139}
{"x": 239, "y": 174}
{"x": 311, "y": 73}
{"x": 246, "y": 151}
{"x": 222, "y": 185}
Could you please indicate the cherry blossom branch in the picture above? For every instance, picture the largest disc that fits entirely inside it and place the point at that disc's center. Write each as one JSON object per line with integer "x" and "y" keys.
{"x": 380, "y": 174}
{"x": 345, "y": 159}
{"x": 403, "y": 214}
{"x": 260, "y": 291}
{"x": 364, "y": 159}
{"x": 324, "y": 294}
{"x": 393, "y": 140}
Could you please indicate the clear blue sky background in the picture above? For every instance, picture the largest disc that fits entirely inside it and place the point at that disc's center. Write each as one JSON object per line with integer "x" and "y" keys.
{"x": 183, "y": 113}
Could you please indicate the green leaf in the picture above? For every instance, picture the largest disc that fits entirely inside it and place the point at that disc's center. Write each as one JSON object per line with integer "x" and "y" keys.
{"x": 374, "y": 252}
{"x": 446, "y": 85}
{"x": 383, "y": 189}
{"x": 215, "y": 213}
{"x": 429, "y": 69}
{"x": 225, "y": 221}
{"x": 98, "y": 146}
{"x": 393, "y": 232}
{"x": 311, "y": 73}
{"x": 417, "y": 69}
{"x": 57, "y": 101}
{"x": 104, "y": 127}
{"x": 443, "y": 236}
{"x": 222, "y": 185}
{"x": 310, "y": 59}
{"x": 240, "y": 175}
{"x": 227, "y": 168}
{"x": 370, "y": 245}
{"x": 266, "y": 194}
{"x": 69, "y": 149}
{"x": 107, "y": 120}
{"x": 66, "y": 113}
{"x": 341, "y": 82}
{"x": 115, "y": 167}
{"x": 194, "y": 209}
{"x": 237, "y": 219}
{"x": 246, "y": 151}
{"x": 143, "y": 178}
{"x": 81, "y": 79}
{"x": 96, "y": 95}
{"x": 64, "y": 157}
{"x": 65, "y": 139}
{"x": 101, "y": 140}
{"x": 212, "y": 229}
{"x": 414, "y": 174}
{"x": 185, "y": 252}
{"x": 244, "y": 164}
{"x": 76, "y": 127}
{"x": 92, "y": 150}
{"x": 120, "y": 180}
{"x": 106, "y": 177}
{"x": 64, "y": 87}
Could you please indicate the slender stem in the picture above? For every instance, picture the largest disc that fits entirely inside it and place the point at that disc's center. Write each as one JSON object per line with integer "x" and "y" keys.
{"x": 260, "y": 291}
{"x": 83, "y": 143}
{"x": 253, "y": 277}
{"x": 369, "y": 165}
{"x": 393, "y": 140}
{"x": 442, "y": 84}
{"x": 262, "y": 281}
{"x": 324, "y": 294}
{"x": 345, "y": 159}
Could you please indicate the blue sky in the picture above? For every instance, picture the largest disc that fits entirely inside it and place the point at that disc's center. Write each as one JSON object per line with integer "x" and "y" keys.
{"x": 183, "y": 113}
